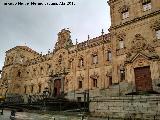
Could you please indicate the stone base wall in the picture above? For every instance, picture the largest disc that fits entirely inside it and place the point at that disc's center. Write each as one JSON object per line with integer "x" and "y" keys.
{"x": 135, "y": 107}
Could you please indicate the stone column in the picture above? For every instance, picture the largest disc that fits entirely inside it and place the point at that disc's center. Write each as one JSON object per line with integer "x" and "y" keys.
{"x": 62, "y": 84}
{"x": 52, "y": 87}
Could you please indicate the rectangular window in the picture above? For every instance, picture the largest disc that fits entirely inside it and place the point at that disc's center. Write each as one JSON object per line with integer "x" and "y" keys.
{"x": 94, "y": 82}
{"x": 25, "y": 89}
{"x": 110, "y": 80}
{"x": 39, "y": 90}
{"x": 95, "y": 59}
{"x": 81, "y": 62}
{"x": 31, "y": 88}
{"x": 125, "y": 15}
{"x": 121, "y": 44}
{"x": 122, "y": 75}
{"x": 147, "y": 6}
{"x": 109, "y": 56}
{"x": 158, "y": 34}
{"x": 80, "y": 84}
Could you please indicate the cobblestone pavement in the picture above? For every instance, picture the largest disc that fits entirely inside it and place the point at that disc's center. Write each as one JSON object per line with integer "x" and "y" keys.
{"x": 36, "y": 116}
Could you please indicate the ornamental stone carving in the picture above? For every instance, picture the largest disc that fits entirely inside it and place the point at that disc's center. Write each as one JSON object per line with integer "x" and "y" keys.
{"x": 156, "y": 25}
{"x": 64, "y": 40}
{"x": 94, "y": 76}
{"x": 140, "y": 44}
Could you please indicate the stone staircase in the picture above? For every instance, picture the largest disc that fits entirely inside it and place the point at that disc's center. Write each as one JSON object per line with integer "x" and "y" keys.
{"x": 120, "y": 89}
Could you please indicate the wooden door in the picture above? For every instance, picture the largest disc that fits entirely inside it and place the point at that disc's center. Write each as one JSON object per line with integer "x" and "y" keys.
{"x": 143, "y": 79}
{"x": 57, "y": 87}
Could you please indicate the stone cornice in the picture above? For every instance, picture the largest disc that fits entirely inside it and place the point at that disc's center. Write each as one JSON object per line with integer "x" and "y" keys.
{"x": 97, "y": 41}
{"x": 111, "y": 1}
{"x": 135, "y": 20}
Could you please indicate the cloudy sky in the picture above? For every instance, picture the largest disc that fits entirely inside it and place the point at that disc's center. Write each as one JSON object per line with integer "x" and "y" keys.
{"x": 37, "y": 26}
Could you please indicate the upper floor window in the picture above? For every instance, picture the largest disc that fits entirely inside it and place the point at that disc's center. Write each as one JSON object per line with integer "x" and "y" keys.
{"x": 121, "y": 44}
{"x": 19, "y": 73}
{"x": 81, "y": 62}
{"x": 125, "y": 15}
{"x": 95, "y": 59}
{"x": 146, "y": 5}
{"x": 109, "y": 55}
{"x": 158, "y": 34}
{"x": 125, "y": 12}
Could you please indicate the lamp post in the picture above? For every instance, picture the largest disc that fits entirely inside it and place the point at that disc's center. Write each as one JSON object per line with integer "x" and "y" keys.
{"x": 45, "y": 95}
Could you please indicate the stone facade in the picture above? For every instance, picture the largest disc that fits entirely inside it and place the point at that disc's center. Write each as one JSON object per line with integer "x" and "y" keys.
{"x": 104, "y": 66}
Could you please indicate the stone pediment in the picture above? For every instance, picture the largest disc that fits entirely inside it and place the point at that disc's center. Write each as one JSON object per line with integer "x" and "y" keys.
{"x": 143, "y": 54}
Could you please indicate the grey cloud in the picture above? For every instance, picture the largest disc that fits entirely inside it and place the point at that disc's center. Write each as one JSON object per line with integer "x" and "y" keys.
{"x": 38, "y": 26}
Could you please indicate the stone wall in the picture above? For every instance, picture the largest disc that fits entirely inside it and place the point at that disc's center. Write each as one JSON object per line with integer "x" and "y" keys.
{"x": 135, "y": 107}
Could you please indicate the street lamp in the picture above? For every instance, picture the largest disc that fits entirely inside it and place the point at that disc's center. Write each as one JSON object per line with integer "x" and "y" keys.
{"x": 45, "y": 95}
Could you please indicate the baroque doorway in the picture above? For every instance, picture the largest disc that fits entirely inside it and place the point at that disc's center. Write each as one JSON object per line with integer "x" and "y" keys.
{"x": 143, "y": 79}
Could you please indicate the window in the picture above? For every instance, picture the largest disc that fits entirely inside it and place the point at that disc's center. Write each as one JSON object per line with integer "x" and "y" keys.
{"x": 80, "y": 84}
{"x": 81, "y": 62}
{"x": 32, "y": 88}
{"x": 95, "y": 59}
{"x": 110, "y": 80}
{"x": 19, "y": 73}
{"x": 125, "y": 15}
{"x": 94, "y": 82}
{"x": 109, "y": 56}
{"x": 25, "y": 89}
{"x": 39, "y": 90}
{"x": 122, "y": 74}
{"x": 125, "y": 12}
{"x": 158, "y": 34}
{"x": 121, "y": 44}
{"x": 146, "y": 5}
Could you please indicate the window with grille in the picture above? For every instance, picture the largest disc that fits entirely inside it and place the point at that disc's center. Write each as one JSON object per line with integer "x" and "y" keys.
{"x": 158, "y": 34}
{"x": 146, "y": 5}
{"x": 125, "y": 15}
{"x": 95, "y": 59}
{"x": 81, "y": 62}
{"x": 121, "y": 44}
{"x": 109, "y": 56}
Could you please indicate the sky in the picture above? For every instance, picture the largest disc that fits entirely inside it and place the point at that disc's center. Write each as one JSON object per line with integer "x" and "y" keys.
{"x": 37, "y": 26}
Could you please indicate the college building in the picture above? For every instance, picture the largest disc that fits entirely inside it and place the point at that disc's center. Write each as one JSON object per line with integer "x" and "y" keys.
{"x": 125, "y": 60}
